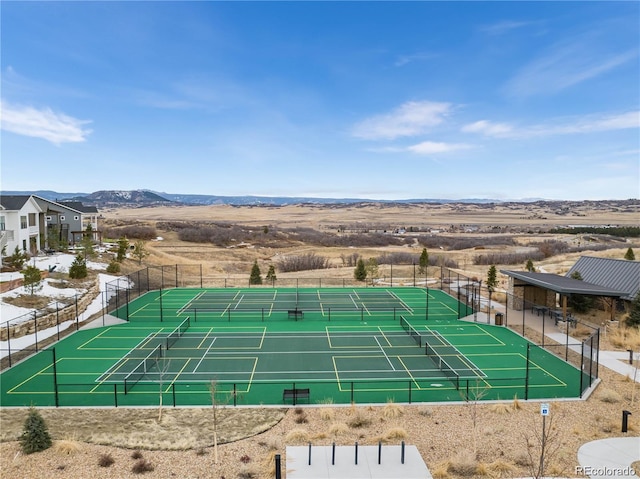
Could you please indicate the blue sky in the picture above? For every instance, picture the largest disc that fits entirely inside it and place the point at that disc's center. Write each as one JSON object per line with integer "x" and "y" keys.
{"x": 380, "y": 100}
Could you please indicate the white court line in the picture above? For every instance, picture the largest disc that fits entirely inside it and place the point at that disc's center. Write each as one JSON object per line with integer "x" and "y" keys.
{"x": 203, "y": 356}
{"x": 383, "y": 352}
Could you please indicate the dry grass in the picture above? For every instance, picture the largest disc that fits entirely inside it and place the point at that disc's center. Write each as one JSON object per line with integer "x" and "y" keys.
{"x": 501, "y": 408}
{"x": 624, "y": 338}
{"x": 392, "y": 410}
{"x": 338, "y": 429}
{"x": 67, "y": 447}
{"x": 296, "y": 436}
{"x": 463, "y": 463}
{"x": 609, "y": 396}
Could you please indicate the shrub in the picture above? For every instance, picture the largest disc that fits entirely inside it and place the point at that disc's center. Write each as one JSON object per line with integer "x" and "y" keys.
{"x": 245, "y": 459}
{"x": 105, "y": 460}
{"x": 301, "y": 419}
{"x": 67, "y": 447}
{"x": 114, "y": 267}
{"x": 464, "y": 463}
{"x": 358, "y": 421}
{"x": 78, "y": 268}
{"x": 141, "y": 466}
{"x": 297, "y": 435}
{"x": 609, "y": 396}
{"x": 338, "y": 428}
{"x": 395, "y": 433}
{"x": 392, "y": 410}
{"x": 136, "y": 454}
{"x": 35, "y": 436}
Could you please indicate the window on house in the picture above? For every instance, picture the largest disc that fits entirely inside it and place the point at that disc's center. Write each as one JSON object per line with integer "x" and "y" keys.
{"x": 2, "y": 224}
{"x": 23, "y": 222}
{"x": 76, "y": 218}
{"x": 62, "y": 218}
{"x": 48, "y": 218}
{"x": 32, "y": 219}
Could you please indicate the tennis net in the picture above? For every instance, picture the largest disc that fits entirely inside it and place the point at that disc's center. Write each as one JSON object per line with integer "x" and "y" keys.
{"x": 178, "y": 332}
{"x": 141, "y": 369}
{"x": 411, "y": 331}
{"x": 442, "y": 365}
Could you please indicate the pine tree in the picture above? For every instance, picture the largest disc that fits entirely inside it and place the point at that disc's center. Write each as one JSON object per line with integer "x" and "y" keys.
{"x": 271, "y": 274}
{"x": 423, "y": 262}
{"x": 629, "y": 255}
{"x": 35, "y": 436}
{"x": 580, "y": 303}
{"x": 255, "y": 277}
{"x": 634, "y": 315}
{"x": 492, "y": 279}
{"x": 529, "y": 266}
{"x": 78, "y": 268}
{"x": 360, "y": 272}
{"x": 32, "y": 279}
{"x": 123, "y": 247}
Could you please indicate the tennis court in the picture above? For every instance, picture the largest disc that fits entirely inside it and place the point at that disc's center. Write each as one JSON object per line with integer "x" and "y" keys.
{"x": 272, "y": 346}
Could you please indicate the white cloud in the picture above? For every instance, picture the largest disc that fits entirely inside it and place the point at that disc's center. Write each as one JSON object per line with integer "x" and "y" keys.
{"x": 564, "y": 65}
{"x": 432, "y": 147}
{"x": 54, "y": 127}
{"x": 503, "y": 27}
{"x": 414, "y": 57}
{"x": 409, "y": 119}
{"x": 565, "y": 126}
{"x": 488, "y": 128}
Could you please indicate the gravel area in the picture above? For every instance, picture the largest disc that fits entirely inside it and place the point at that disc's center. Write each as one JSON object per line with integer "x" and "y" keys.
{"x": 504, "y": 436}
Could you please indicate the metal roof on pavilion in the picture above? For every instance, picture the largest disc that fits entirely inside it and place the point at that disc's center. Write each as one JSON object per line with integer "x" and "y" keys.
{"x": 563, "y": 284}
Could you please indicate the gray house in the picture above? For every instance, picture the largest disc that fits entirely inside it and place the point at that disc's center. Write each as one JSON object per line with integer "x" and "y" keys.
{"x": 32, "y": 223}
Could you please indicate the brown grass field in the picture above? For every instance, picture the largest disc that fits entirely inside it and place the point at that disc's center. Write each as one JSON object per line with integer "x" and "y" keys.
{"x": 456, "y": 441}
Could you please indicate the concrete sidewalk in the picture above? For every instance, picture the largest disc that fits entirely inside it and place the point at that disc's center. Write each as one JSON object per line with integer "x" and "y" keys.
{"x": 609, "y": 458}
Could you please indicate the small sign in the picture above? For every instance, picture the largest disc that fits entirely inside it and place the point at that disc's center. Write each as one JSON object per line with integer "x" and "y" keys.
{"x": 544, "y": 409}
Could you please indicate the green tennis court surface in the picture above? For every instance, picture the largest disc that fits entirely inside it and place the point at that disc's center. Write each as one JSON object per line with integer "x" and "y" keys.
{"x": 344, "y": 345}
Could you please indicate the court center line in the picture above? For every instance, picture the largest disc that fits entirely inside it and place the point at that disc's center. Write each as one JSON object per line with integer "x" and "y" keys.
{"x": 203, "y": 356}
{"x": 383, "y": 352}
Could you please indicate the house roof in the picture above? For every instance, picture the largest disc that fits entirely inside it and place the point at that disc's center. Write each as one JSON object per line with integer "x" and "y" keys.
{"x": 564, "y": 284}
{"x": 78, "y": 206}
{"x": 13, "y": 202}
{"x": 618, "y": 274}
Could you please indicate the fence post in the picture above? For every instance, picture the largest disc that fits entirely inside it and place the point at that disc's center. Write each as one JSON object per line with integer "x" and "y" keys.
{"x": 278, "y": 467}
{"x": 35, "y": 327}
{"x": 526, "y": 379}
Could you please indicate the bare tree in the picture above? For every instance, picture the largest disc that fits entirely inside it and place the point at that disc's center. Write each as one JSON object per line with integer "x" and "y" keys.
{"x": 543, "y": 443}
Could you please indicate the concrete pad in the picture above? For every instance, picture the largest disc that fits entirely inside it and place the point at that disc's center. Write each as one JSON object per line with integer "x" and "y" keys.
{"x": 609, "y": 458}
{"x": 343, "y": 466}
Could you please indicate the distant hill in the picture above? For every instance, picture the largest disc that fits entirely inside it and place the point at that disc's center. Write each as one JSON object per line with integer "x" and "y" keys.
{"x": 113, "y": 198}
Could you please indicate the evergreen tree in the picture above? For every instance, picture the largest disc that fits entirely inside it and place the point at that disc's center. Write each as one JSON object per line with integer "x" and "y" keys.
{"x": 32, "y": 279}
{"x": 492, "y": 279}
{"x": 87, "y": 242}
{"x": 255, "y": 277}
{"x": 271, "y": 274}
{"x": 17, "y": 260}
{"x": 123, "y": 247}
{"x": 78, "y": 268}
{"x": 529, "y": 266}
{"x": 113, "y": 267}
{"x": 629, "y": 255}
{"x": 35, "y": 436}
{"x": 360, "y": 272}
{"x": 634, "y": 315}
{"x": 580, "y": 302}
{"x": 423, "y": 262}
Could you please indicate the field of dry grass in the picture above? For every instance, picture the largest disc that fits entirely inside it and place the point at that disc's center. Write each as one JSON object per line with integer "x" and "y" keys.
{"x": 467, "y": 440}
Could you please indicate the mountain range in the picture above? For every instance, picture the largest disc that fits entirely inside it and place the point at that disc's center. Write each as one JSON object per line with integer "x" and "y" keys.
{"x": 106, "y": 198}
